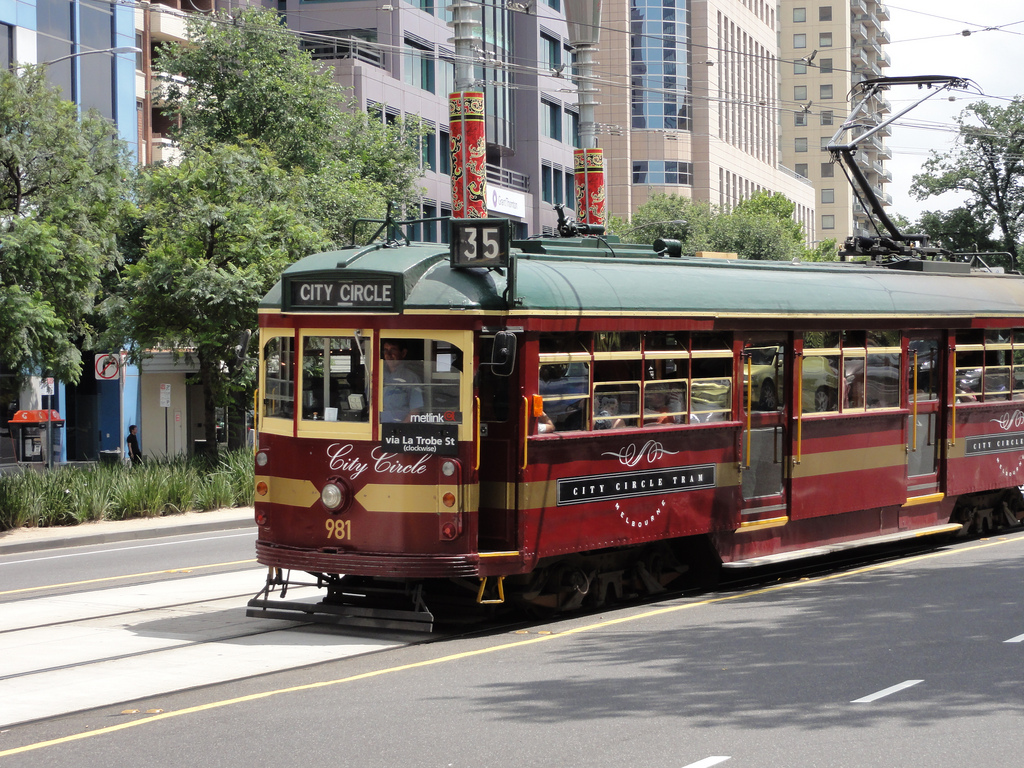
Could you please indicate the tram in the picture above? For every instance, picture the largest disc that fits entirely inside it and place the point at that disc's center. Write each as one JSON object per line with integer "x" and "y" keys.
{"x": 565, "y": 420}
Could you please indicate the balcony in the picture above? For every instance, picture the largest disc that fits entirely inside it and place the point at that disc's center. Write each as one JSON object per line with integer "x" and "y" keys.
{"x": 167, "y": 23}
{"x": 164, "y": 150}
{"x": 882, "y": 12}
{"x": 509, "y": 179}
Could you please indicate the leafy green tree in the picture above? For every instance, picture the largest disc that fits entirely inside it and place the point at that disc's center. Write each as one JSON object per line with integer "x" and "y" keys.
{"x": 961, "y": 230}
{"x": 245, "y": 77}
{"x": 62, "y": 188}
{"x": 218, "y": 230}
{"x": 761, "y": 227}
{"x": 988, "y": 165}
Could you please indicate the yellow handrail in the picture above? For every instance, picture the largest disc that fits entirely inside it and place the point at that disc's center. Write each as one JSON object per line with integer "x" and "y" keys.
{"x": 952, "y": 435}
{"x": 799, "y": 407}
{"x": 750, "y": 400}
{"x": 914, "y": 430}
{"x": 526, "y": 428}
{"x": 476, "y": 466}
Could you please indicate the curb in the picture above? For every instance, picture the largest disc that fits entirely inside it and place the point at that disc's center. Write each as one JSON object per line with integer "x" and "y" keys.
{"x": 76, "y": 537}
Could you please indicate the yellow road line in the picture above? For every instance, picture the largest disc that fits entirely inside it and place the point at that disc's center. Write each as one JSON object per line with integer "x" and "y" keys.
{"x": 493, "y": 649}
{"x": 126, "y": 576}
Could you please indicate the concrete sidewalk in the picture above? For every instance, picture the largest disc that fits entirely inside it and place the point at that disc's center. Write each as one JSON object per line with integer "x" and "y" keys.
{"x": 32, "y": 539}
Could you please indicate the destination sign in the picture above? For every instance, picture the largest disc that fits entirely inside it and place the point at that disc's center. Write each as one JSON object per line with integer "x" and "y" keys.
{"x": 343, "y": 293}
{"x": 982, "y": 444}
{"x": 580, "y": 490}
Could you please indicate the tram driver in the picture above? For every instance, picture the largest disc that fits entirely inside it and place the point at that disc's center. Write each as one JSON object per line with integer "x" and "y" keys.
{"x": 403, "y": 386}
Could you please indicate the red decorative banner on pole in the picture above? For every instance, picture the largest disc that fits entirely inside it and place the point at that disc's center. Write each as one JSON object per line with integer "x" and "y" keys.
{"x": 588, "y": 165}
{"x": 469, "y": 155}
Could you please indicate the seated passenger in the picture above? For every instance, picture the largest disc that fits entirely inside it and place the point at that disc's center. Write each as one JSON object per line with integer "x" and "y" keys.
{"x": 608, "y": 414}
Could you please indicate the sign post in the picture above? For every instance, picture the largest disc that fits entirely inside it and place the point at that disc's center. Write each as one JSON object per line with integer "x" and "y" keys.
{"x": 165, "y": 403}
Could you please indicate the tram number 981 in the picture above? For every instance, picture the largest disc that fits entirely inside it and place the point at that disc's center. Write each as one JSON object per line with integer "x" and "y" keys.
{"x": 338, "y": 529}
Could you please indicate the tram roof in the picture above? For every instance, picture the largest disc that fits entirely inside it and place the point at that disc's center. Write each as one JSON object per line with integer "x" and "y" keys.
{"x": 590, "y": 275}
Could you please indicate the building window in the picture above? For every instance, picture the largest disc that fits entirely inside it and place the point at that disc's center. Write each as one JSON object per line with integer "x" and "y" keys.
{"x": 800, "y": 41}
{"x": 828, "y": 170}
{"x": 799, "y": 68}
{"x": 825, "y": 40}
{"x": 828, "y": 221}
{"x": 556, "y": 4}
{"x": 550, "y": 51}
{"x": 828, "y": 196}
{"x": 800, "y": 144}
{"x": 800, "y": 93}
{"x": 825, "y": 92}
{"x": 825, "y": 65}
{"x": 445, "y": 166}
{"x": 429, "y": 150}
{"x": 551, "y": 115}
{"x": 419, "y": 66}
{"x": 546, "y": 181}
{"x": 824, "y": 143}
{"x": 662, "y": 172}
{"x": 572, "y": 125}
{"x": 800, "y": 119}
{"x": 801, "y": 170}
{"x": 570, "y": 190}
{"x": 825, "y": 13}
{"x": 660, "y": 74}
{"x": 826, "y": 117}
{"x": 799, "y": 15}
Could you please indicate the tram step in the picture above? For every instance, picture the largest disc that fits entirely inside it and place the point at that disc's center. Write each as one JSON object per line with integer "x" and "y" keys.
{"x": 831, "y": 549}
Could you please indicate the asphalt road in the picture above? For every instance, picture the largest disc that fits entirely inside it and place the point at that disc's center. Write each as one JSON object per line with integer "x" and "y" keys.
{"x": 910, "y": 662}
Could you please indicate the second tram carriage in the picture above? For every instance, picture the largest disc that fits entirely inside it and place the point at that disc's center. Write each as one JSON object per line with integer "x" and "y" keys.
{"x": 554, "y": 421}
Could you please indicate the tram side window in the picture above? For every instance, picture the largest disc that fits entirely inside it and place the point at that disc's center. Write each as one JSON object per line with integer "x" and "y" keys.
{"x": 924, "y": 354}
{"x": 564, "y": 380}
{"x": 1018, "y": 364}
{"x": 616, "y": 393}
{"x": 989, "y": 365}
{"x": 333, "y": 379}
{"x": 665, "y": 390}
{"x": 711, "y": 378}
{"x": 279, "y": 377}
{"x": 819, "y": 375}
{"x": 420, "y": 376}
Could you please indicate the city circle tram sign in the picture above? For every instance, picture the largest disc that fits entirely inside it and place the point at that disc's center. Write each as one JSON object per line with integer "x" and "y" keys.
{"x": 623, "y": 485}
{"x": 331, "y": 293}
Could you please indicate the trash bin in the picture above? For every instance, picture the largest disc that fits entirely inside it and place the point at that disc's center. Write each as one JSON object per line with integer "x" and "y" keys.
{"x": 110, "y": 457}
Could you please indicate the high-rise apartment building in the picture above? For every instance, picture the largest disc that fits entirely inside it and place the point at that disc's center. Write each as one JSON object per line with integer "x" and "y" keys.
{"x": 689, "y": 104}
{"x": 825, "y": 49}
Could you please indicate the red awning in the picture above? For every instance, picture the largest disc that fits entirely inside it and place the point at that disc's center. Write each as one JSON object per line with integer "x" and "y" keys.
{"x": 33, "y": 418}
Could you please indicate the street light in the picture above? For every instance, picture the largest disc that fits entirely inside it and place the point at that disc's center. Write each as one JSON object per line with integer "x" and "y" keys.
{"x": 117, "y": 49}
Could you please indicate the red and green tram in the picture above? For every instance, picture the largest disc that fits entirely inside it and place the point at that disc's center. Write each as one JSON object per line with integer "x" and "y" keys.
{"x": 561, "y": 420}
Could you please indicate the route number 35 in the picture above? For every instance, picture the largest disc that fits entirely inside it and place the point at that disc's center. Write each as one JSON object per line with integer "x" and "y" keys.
{"x": 479, "y": 242}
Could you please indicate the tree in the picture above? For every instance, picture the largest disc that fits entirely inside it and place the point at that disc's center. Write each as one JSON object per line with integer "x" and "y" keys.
{"x": 245, "y": 77}
{"x": 761, "y": 227}
{"x": 62, "y": 189}
{"x": 218, "y": 230}
{"x": 961, "y": 230}
{"x": 988, "y": 165}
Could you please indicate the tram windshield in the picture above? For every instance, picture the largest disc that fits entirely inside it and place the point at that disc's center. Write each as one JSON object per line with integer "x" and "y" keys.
{"x": 420, "y": 380}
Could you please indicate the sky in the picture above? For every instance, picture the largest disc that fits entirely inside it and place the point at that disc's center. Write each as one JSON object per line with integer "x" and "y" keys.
{"x": 927, "y": 39}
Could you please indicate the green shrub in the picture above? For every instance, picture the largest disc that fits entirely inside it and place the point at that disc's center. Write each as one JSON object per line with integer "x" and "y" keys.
{"x": 70, "y": 495}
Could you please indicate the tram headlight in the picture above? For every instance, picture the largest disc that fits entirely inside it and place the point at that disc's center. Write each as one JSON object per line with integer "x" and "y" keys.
{"x": 334, "y": 495}
{"x": 261, "y": 459}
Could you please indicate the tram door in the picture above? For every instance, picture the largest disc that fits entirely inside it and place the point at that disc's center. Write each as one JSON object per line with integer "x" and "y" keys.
{"x": 763, "y": 408}
{"x": 925, "y": 366}
{"x": 498, "y": 472}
